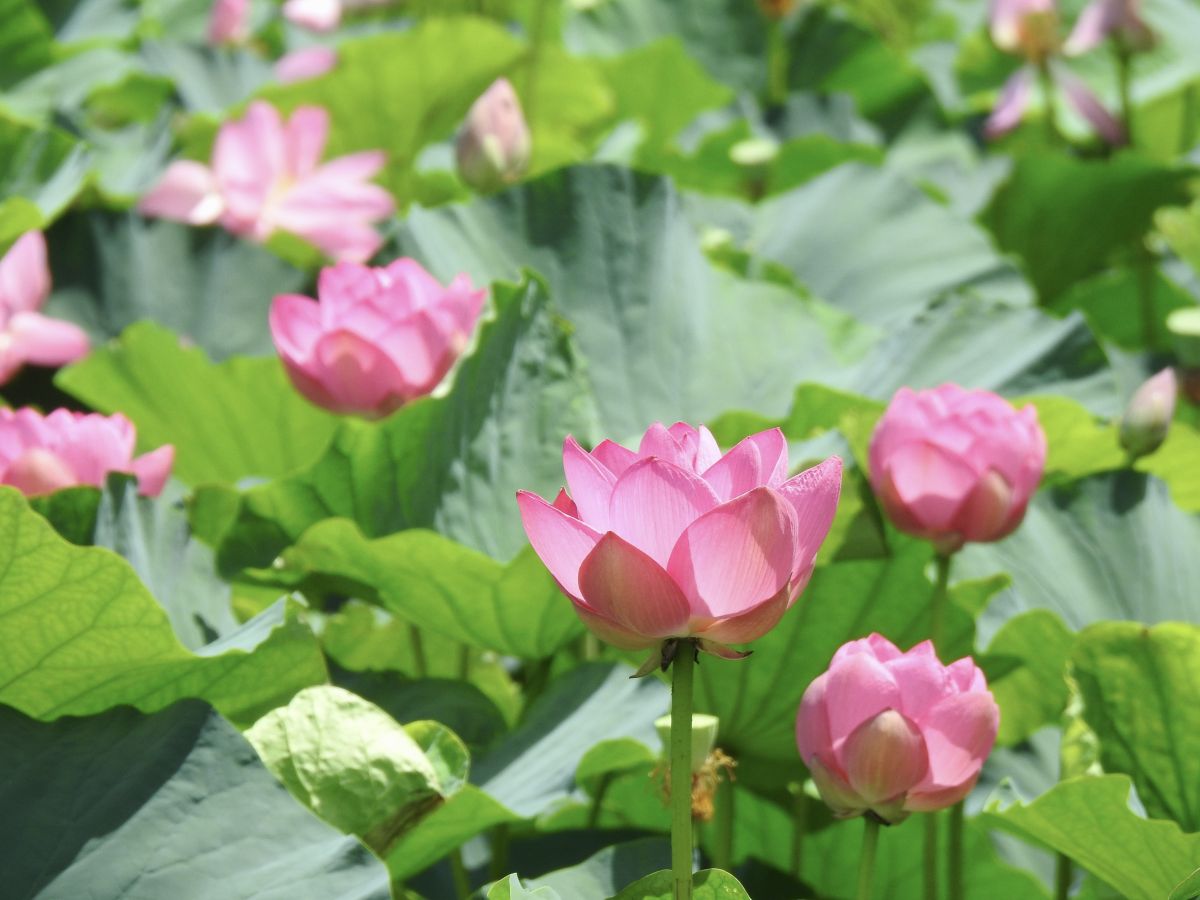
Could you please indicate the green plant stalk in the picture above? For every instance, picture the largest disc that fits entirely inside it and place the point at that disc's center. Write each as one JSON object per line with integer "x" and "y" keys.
{"x": 1145, "y": 289}
{"x": 1187, "y": 125}
{"x": 777, "y": 65}
{"x": 1124, "y": 62}
{"x": 1046, "y": 79}
{"x": 537, "y": 35}
{"x": 681, "y": 768}
{"x": 591, "y": 646}
{"x": 499, "y": 841}
{"x": 418, "y": 651}
{"x": 866, "y": 863}
{"x": 937, "y": 626}
{"x": 930, "y": 856}
{"x": 1062, "y": 876}
{"x": 724, "y": 814}
{"x": 598, "y": 799}
{"x": 462, "y": 881}
{"x": 464, "y": 665}
{"x": 799, "y": 830}
{"x": 954, "y": 864}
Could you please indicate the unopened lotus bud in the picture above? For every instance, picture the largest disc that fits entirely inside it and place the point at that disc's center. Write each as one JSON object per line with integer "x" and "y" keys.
{"x": 704, "y": 737}
{"x": 1148, "y": 415}
{"x": 493, "y": 145}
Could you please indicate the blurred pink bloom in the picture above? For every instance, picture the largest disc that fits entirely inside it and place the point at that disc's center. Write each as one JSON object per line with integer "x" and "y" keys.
{"x": 40, "y": 454}
{"x": 1025, "y": 27}
{"x": 324, "y": 15}
{"x": 266, "y": 175}
{"x": 1148, "y": 416}
{"x": 493, "y": 145}
{"x": 952, "y": 465}
{"x": 379, "y": 337}
{"x": 229, "y": 22}
{"x": 1100, "y": 19}
{"x": 1010, "y": 108}
{"x": 300, "y": 65}
{"x": 678, "y": 540}
{"x": 26, "y": 336}
{"x": 893, "y": 733}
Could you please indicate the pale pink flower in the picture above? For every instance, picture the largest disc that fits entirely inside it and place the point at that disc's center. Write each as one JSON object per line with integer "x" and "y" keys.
{"x": 324, "y": 15}
{"x": 300, "y": 65}
{"x": 378, "y": 338}
{"x": 1148, "y": 416}
{"x": 493, "y": 145}
{"x": 677, "y": 540}
{"x": 952, "y": 465}
{"x": 41, "y": 454}
{"x": 229, "y": 22}
{"x": 26, "y": 336}
{"x": 1101, "y": 19}
{"x": 893, "y": 733}
{"x": 1025, "y": 27}
{"x": 266, "y": 175}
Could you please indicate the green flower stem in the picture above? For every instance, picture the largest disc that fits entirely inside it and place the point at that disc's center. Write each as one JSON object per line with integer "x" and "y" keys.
{"x": 954, "y": 865}
{"x": 499, "y": 840}
{"x": 930, "y": 857}
{"x": 593, "y": 818}
{"x": 938, "y": 602}
{"x": 799, "y": 828}
{"x": 723, "y": 839}
{"x": 418, "y": 651}
{"x": 1049, "y": 99}
{"x": 681, "y": 767}
{"x": 777, "y": 65}
{"x": 462, "y": 881}
{"x": 1124, "y": 61}
{"x": 1062, "y": 876}
{"x": 866, "y": 863}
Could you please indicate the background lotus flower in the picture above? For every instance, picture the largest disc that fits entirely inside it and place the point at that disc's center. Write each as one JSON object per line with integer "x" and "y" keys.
{"x": 40, "y": 454}
{"x": 324, "y": 15}
{"x": 678, "y": 540}
{"x": 229, "y": 22}
{"x": 26, "y": 336}
{"x": 953, "y": 465}
{"x": 894, "y": 733}
{"x": 1148, "y": 416}
{"x": 302, "y": 64}
{"x": 1119, "y": 19}
{"x": 266, "y": 175}
{"x": 379, "y": 338}
{"x": 493, "y": 146}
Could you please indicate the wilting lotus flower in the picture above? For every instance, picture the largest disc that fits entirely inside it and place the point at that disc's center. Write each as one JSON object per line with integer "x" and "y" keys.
{"x": 266, "y": 175}
{"x": 493, "y": 144}
{"x": 952, "y": 465}
{"x": 676, "y": 540}
{"x": 1119, "y": 19}
{"x": 1148, "y": 416}
{"x": 300, "y": 65}
{"x": 379, "y": 337}
{"x": 893, "y": 733}
{"x": 26, "y": 336}
{"x": 40, "y": 454}
{"x": 229, "y": 22}
{"x": 1029, "y": 28}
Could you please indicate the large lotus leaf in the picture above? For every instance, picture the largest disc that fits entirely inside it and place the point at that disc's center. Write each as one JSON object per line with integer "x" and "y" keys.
{"x": 174, "y": 804}
{"x": 666, "y": 336}
{"x": 606, "y": 872}
{"x": 467, "y": 813}
{"x": 26, "y": 43}
{"x": 514, "y": 609}
{"x": 1026, "y": 667}
{"x": 450, "y": 462}
{"x": 1140, "y": 689}
{"x": 1089, "y": 819}
{"x": 79, "y": 633}
{"x": 350, "y": 763}
{"x": 41, "y": 172}
{"x": 512, "y": 889}
{"x": 111, "y": 271}
{"x": 1109, "y": 546}
{"x": 227, "y": 421}
{"x": 1066, "y": 218}
{"x": 1111, "y": 302}
{"x": 707, "y": 884}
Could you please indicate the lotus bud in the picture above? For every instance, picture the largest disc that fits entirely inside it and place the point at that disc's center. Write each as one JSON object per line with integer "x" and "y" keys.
{"x": 493, "y": 145}
{"x": 1148, "y": 416}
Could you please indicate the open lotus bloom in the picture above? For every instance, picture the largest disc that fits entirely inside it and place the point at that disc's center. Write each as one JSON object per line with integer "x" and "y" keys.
{"x": 677, "y": 540}
{"x": 229, "y": 22}
{"x": 379, "y": 337}
{"x": 952, "y": 465}
{"x": 493, "y": 145}
{"x": 893, "y": 733}
{"x": 41, "y": 454}
{"x": 266, "y": 175}
{"x": 1148, "y": 416}
{"x": 1102, "y": 19}
{"x": 26, "y": 336}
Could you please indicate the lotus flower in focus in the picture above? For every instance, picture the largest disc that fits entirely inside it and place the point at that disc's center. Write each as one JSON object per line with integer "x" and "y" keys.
{"x": 493, "y": 145}
{"x": 952, "y": 465}
{"x": 1030, "y": 28}
{"x": 229, "y": 22}
{"x": 266, "y": 175}
{"x": 26, "y": 336}
{"x": 1118, "y": 19}
{"x": 893, "y": 733}
{"x": 41, "y": 454}
{"x": 379, "y": 337}
{"x": 1148, "y": 416}
{"x": 677, "y": 540}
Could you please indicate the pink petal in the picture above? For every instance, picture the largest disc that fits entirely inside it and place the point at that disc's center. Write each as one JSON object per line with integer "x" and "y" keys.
{"x": 315, "y": 15}
{"x": 658, "y": 441}
{"x": 152, "y": 470}
{"x": 985, "y": 513}
{"x": 874, "y": 645}
{"x": 834, "y": 789}
{"x": 420, "y": 351}
{"x": 249, "y": 164}
{"x": 1098, "y": 19}
{"x": 295, "y": 323}
{"x": 812, "y": 721}
{"x": 47, "y": 342}
{"x": 560, "y": 541}
{"x": 1090, "y": 108}
{"x": 24, "y": 275}
{"x": 760, "y": 459}
{"x": 923, "y": 682}
{"x": 814, "y": 495}
{"x": 300, "y": 65}
{"x": 614, "y": 457}
{"x": 563, "y": 502}
{"x": 752, "y": 624}
{"x": 930, "y": 484}
{"x": 859, "y": 688}
{"x": 622, "y": 583}
{"x": 612, "y": 633}
{"x": 960, "y": 732}
{"x": 228, "y": 23}
{"x": 358, "y": 375}
{"x": 884, "y": 757}
{"x": 699, "y": 446}
{"x": 741, "y": 553}
{"x": 304, "y": 139}
{"x": 654, "y": 501}
{"x": 591, "y": 484}
{"x": 39, "y": 472}
{"x": 1011, "y": 106}
{"x": 187, "y": 192}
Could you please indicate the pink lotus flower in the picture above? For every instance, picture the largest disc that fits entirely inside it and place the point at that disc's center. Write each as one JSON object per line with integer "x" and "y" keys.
{"x": 324, "y": 15}
{"x": 952, "y": 465}
{"x": 266, "y": 176}
{"x": 379, "y": 337}
{"x": 676, "y": 540}
{"x": 229, "y": 22}
{"x": 492, "y": 148}
{"x": 1119, "y": 19}
{"x": 892, "y": 733}
{"x": 26, "y": 336}
{"x": 40, "y": 454}
{"x": 1148, "y": 416}
{"x": 300, "y": 65}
